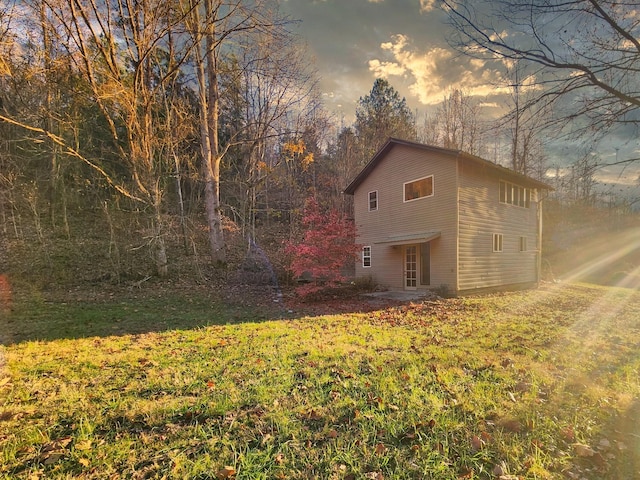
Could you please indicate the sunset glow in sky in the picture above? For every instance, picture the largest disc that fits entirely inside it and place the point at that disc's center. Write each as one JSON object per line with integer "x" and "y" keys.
{"x": 405, "y": 41}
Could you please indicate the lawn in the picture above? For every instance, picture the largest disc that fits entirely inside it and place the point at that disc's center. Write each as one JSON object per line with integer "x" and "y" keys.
{"x": 528, "y": 385}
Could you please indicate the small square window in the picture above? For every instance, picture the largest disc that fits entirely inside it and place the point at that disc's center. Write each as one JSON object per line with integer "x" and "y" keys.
{"x": 366, "y": 257}
{"x": 497, "y": 242}
{"x": 373, "y": 201}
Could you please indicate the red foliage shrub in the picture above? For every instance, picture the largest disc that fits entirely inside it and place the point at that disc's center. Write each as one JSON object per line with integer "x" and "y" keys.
{"x": 327, "y": 246}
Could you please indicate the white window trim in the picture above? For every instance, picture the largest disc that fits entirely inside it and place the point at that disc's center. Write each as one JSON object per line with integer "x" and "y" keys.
{"x": 498, "y": 242}
{"x": 369, "y": 201}
{"x": 366, "y": 248}
{"x": 404, "y": 191}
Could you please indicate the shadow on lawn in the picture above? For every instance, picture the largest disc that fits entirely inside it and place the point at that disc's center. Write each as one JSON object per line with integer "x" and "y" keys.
{"x": 626, "y": 440}
{"x": 33, "y": 318}
{"x": 55, "y": 317}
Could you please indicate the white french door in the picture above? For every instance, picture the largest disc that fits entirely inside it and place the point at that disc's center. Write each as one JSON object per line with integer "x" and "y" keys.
{"x": 411, "y": 267}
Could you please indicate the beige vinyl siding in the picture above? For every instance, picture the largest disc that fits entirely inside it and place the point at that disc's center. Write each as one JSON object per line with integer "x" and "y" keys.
{"x": 396, "y": 217}
{"x": 481, "y": 216}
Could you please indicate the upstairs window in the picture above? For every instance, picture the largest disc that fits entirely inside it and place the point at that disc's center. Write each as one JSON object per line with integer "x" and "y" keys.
{"x": 523, "y": 244}
{"x": 373, "y": 201}
{"x": 497, "y": 242}
{"x": 513, "y": 194}
{"x": 420, "y": 188}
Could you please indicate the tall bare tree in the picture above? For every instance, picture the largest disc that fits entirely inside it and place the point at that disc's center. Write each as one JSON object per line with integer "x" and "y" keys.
{"x": 458, "y": 123}
{"x": 256, "y": 33}
{"x": 125, "y": 51}
{"x": 583, "y": 53}
{"x": 524, "y": 125}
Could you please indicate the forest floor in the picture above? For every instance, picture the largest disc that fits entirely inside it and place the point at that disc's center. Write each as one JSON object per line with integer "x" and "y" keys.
{"x": 253, "y": 383}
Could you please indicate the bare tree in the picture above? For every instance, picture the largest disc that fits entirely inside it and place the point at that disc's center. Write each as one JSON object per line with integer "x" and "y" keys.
{"x": 523, "y": 126}
{"x": 583, "y": 53}
{"x": 455, "y": 124}
{"x": 124, "y": 50}
{"x": 458, "y": 124}
{"x": 280, "y": 96}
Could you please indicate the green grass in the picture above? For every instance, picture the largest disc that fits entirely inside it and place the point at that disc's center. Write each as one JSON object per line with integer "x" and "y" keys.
{"x": 529, "y": 385}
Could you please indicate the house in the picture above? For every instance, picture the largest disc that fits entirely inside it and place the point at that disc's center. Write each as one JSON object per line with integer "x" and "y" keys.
{"x": 439, "y": 219}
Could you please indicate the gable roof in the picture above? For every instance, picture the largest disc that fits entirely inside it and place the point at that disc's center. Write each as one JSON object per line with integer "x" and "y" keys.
{"x": 524, "y": 180}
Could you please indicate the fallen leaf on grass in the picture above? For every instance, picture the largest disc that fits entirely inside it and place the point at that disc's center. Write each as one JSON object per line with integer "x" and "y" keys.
{"x": 476, "y": 443}
{"x": 226, "y": 472}
{"x": 374, "y": 476}
{"x": 568, "y": 433}
{"x": 583, "y": 450}
{"x": 380, "y": 449}
{"x": 313, "y": 414}
{"x": 6, "y": 415}
{"x": 50, "y": 458}
{"x": 279, "y": 459}
{"x": 511, "y": 425}
{"x": 54, "y": 451}
{"x": 465, "y": 473}
{"x": 83, "y": 445}
{"x": 85, "y": 462}
{"x": 604, "y": 444}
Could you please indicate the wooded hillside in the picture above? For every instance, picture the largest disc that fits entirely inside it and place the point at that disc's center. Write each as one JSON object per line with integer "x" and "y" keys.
{"x": 183, "y": 139}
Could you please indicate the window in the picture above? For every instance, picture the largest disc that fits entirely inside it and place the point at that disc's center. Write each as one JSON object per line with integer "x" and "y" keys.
{"x": 523, "y": 244}
{"x": 497, "y": 242}
{"x": 366, "y": 256}
{"x": 373, "y": 201}
{"x": 420, "y": 188}
{"x": 513, "y": 194}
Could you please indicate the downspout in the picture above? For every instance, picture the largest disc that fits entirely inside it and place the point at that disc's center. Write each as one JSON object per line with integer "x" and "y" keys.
{"x": 539, "y": 259}
{"x": 457, "y": 280}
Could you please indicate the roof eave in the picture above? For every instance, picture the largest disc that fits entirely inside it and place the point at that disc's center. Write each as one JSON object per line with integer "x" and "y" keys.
{"x": 391, "y": 142}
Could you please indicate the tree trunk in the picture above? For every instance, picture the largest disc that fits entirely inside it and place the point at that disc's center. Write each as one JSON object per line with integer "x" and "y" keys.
{"x": 210, "y": 108}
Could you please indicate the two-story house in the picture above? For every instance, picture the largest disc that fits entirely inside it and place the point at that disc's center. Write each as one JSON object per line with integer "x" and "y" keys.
{"x": 436, "y": 218}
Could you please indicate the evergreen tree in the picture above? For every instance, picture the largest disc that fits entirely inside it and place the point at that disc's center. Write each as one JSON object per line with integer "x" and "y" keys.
{"x": 380, "y": 115}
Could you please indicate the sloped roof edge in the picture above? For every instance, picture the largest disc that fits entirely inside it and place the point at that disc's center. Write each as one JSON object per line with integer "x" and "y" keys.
{"x": 391, "y": 142}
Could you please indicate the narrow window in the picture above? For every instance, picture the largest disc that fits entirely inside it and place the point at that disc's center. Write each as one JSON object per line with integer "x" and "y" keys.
{"x": 497, "y": 242}
{"x": 366, "y": 256}
{"x": 423, "y": 187}
{"x": 373, "y": 201}
{"x": 523, "y": 244}
{"x": 503, "y": 192}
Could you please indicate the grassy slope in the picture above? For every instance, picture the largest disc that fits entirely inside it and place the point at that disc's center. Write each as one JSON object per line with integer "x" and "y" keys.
{"x": 539, "y": 384}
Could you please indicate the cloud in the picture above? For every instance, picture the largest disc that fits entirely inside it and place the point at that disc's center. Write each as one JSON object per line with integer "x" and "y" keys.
{"x": 433, "y": 72}
{"x": 427, "y": 5}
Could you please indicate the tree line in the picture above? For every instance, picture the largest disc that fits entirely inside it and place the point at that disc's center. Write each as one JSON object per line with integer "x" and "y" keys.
{"x": 167, "y": 119}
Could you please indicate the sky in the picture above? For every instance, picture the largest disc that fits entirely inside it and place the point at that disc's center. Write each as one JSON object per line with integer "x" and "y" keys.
{"x": 353, "y": 42}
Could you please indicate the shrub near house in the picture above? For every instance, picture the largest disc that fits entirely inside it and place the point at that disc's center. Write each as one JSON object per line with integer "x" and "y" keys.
{"x": 327, "y": 245}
